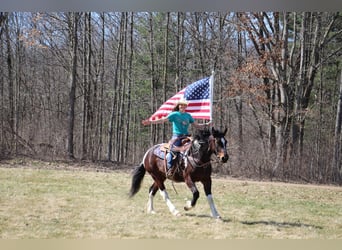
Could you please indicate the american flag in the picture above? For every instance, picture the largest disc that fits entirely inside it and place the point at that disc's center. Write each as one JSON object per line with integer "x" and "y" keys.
{"x": 198, "y": 95}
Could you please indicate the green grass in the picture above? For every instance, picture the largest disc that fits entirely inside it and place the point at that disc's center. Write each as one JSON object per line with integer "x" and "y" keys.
{"x": 40, "y": 203}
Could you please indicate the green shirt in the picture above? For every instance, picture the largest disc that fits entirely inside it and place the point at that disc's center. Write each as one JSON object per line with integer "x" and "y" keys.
{"x": 180, "y": 122}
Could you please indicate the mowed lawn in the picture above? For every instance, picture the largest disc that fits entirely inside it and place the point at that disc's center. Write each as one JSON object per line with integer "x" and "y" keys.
{"x": 45, "y": 203}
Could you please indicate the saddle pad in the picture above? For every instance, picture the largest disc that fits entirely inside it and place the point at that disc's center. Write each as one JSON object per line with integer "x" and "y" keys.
{"x": 160, "y": 151}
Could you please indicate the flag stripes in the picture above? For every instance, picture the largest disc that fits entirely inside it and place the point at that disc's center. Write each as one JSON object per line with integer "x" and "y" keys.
{"x": 198, "y": 95}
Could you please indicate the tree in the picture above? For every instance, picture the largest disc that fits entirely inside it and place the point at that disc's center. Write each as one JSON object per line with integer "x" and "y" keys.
{"x": 73, "y": 19}
{"x": 289, "y": 70}
{"x": 338, "y": 139}
{"x": 113, "y": 122}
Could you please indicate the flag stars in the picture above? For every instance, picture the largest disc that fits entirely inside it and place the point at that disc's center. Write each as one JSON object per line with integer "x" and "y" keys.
{"x": 198, "y": 90}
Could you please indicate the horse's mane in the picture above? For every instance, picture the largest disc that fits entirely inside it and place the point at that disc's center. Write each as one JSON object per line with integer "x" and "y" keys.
{"x": 202, "y": 134}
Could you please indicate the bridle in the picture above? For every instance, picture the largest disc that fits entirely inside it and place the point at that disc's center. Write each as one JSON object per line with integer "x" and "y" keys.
{"x": 212, "y": 148}
{"x": 222, "y": 152}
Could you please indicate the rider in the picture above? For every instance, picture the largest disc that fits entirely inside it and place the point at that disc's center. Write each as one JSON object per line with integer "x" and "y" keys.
{"x": 180, "y": 120}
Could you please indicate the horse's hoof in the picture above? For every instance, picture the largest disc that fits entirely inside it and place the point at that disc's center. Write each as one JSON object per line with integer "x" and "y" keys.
{"x": 188, "y": 206}
{"x": 218, "y": 218}
{"x": 176, "y": 213}
{"x": 151, "y": 212}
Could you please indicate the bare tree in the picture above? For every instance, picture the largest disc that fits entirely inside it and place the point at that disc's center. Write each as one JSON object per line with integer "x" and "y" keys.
{"x": 154, "y": 103}
{"x": 116, "y": 90}
{"x": 336, "y": 163}
{"x": 73, "y": 35}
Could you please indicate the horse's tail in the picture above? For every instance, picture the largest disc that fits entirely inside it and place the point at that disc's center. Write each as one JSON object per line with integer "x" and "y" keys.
{"x": 138, "y": 176}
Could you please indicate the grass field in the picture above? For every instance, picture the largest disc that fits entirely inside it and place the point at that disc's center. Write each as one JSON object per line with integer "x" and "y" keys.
{"x": 38, "y": 202}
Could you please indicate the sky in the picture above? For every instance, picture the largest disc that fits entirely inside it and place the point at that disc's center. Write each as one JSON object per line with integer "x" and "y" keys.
{"x": 167, "y": 5}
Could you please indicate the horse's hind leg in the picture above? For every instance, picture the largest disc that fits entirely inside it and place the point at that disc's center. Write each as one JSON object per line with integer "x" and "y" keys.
{"x": 153, "y": 189}
{"x": 166, "y": 198}
{"x": 151, "y": 194}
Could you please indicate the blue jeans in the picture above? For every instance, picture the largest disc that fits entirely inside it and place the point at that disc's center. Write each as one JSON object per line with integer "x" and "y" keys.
{"x": 176, "y": 141}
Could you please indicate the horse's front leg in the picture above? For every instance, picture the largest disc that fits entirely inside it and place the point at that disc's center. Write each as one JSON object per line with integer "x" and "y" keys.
{"x": 195, "y": 194}
{"x": 207, "y": 190}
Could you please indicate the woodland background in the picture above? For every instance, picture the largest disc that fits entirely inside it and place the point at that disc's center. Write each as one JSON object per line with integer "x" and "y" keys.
{"x": 77, "y": 85}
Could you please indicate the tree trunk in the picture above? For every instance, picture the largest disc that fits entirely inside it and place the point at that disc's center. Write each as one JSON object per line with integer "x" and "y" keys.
{"x": 238, "y": 101}
{"x": 3, "y": 138}
{"x": 114, "y": 109}
{"x": 180, "y": 58}
{"x": 11, "y": 92}
{"x": 100, "y": 106}
{"x": 122, "y": 106}
{"x": 337, "y": 169}
{"x": 72, "y": 81}
{"x": 153, "y": 79}
{"x": 130, "y": 80}
{"x": 166, "y": 55}
{"x": 86, "y": 89}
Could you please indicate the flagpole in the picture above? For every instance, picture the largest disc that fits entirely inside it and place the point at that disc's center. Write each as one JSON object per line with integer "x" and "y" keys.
{"x": 211, "y": 95}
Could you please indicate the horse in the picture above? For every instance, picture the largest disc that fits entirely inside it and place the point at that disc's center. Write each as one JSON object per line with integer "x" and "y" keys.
{"x": 194, "y": 166}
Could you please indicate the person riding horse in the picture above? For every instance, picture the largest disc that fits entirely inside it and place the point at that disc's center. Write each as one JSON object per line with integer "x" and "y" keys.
{"x": 180, "y": 120}
{"x": 205, "y": 142}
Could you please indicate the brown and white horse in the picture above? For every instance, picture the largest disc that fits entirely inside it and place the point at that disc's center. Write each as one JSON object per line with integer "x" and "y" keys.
{"x": 195, "y": 166}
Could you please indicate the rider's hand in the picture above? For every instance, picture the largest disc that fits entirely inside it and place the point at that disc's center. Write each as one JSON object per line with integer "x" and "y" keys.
{"x": 146, "y": 122}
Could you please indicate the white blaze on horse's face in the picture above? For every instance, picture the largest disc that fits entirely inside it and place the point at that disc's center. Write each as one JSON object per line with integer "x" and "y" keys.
{"x": 222, "y": 153}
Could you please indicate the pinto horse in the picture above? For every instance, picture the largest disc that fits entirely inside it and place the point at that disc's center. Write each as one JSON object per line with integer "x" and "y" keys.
{"x": 194, "y": 166}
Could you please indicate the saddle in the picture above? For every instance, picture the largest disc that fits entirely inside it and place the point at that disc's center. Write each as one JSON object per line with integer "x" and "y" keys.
{"x": 162, "y": 149}
{"x": 179, "y": 152}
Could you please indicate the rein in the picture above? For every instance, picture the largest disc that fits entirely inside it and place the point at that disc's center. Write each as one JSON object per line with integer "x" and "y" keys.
{"x": 198, "y": 165}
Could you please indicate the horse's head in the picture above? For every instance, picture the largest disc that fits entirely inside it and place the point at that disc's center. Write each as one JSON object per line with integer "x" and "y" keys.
{"x": 219, "y": 144}
{"x": 211, "y": 141}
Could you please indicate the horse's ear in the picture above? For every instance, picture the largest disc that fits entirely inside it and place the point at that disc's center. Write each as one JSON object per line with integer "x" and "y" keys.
{"x": 216, "y": 133}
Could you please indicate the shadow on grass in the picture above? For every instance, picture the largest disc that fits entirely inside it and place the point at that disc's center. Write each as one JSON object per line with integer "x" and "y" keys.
{"x": 263, "y": 222}
{"x": 280, "y": 224}
{"x": 206, "y": 216}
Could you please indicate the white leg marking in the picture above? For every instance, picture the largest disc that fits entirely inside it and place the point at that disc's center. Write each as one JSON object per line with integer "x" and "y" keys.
{"x": 171, "y": 207}
{"x": 150, "y": 208}
{"x": 187, "y": 205}
{"x": 214, "y": 212}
